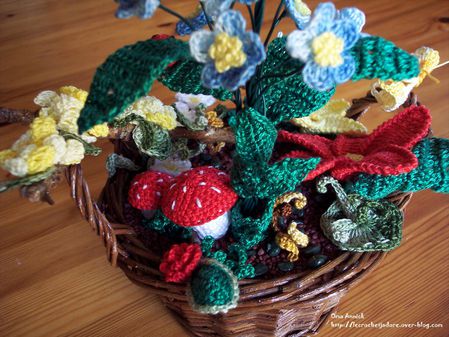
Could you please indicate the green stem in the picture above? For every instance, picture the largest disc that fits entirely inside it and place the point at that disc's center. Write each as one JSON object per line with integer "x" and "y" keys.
{"x": 179, "y": 16}
{"x": 277, "y": 18}
{"x": 259, "y": 14}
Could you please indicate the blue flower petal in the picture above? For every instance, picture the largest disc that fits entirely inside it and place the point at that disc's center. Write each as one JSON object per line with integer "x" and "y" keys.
{"x": 347, "y": 30}
{"x": 215, "y": 7}
{"x": 355, "y": 15}
{"x": 322, "y": 18}
{"x": 232, "y": 23}
{"x": 345, "y": 71}
{"x": 253, "y": 48}
{"x": 200, "y": 43}
{"x": 197, "y": 23}
{"x": 317, "y": 77}
{"x": 300, "y": 20}
{"x": 144, "y": 9}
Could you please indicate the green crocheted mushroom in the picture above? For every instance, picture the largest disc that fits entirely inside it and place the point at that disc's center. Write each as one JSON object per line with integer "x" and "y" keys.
{"x": 356, "y": 224}
{"x": 213, "y": 288}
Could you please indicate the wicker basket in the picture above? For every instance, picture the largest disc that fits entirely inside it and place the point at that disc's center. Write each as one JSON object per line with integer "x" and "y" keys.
{"x": 295, "y": 304}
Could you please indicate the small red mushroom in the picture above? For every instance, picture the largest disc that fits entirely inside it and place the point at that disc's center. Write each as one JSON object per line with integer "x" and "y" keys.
{"x": 146, "y": 190}
{"x": 200, "y": 198}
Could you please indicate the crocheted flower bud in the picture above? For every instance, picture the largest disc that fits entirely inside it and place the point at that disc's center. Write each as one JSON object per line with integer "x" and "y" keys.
{"x": 180, "y": 261}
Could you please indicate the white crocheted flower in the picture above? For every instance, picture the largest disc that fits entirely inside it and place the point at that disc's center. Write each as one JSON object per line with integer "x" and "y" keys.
{"x": 59, "y": 144}
{"x": 16, "y": 166}
{"x": 172, "y": 167}
{"x": 74, "y": 152}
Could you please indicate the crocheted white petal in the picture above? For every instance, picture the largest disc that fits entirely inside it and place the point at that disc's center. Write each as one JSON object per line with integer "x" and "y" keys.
{"x": 58, "y": 143}
{"x": 16, "y": 166}
{"x": 199, "y": 43}
{"x": 44, "y": 98}
{"x": 298, "y": 44}
{"x": 74, "y": 153}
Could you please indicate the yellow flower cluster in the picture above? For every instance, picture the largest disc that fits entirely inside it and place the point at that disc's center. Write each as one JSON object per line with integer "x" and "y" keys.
{"x": 42, "y": 147}
{"x": 327, "y": 49}
{"x": 153, "y": 110}
{"x": 331, "y": 119}
{"x": 391, "y": 95}
{"x": 227, "y": 51}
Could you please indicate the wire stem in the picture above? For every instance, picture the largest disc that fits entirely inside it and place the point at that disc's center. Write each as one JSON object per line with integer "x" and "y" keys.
{"x": 277, "y": 18}
{"x": 251, "y": 15}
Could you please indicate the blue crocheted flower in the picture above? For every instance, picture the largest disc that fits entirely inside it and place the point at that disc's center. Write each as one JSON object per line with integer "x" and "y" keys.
{"x": 298, "y": 11}
{"x": 215, "y": 7}
{"x": 230, "y": 54}
{"x": 324, "y": 45}
{"x": 144, "y": 9}
{"x": 197, "y": 22}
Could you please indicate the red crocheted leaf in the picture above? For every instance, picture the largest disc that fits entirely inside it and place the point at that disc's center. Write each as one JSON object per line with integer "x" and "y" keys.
{"x": 315, "y": 146}
{"x": 406, "y": 129}
{"x": 180, "y": 261}
{"x": 392, "y": 160}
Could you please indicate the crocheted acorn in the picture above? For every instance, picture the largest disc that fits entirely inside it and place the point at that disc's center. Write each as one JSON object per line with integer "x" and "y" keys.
{"x": 200, "y": 198}
{"x": 180, "y": 261}
{"x": 213, "y": 288}
{"x": 146, "y": 190}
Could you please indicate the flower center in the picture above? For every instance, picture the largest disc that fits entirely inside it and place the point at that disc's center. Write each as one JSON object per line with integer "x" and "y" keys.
{"x": 227, "y": 51}
{"x": 302, "y": 8}
{"x": 327, "y": 49}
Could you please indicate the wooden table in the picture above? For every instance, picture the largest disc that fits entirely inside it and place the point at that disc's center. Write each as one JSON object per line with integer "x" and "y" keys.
{"x": 55, "y": 280}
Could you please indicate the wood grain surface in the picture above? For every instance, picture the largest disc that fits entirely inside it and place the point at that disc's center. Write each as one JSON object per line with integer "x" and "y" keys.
{"x": 54, "y": 278}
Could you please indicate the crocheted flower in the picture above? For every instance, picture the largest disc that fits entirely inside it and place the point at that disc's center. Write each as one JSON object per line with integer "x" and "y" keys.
{"x": 200, "y": 198}
{"x": 331, "y": 119}
{"x": 386, "y": 151}
{"x": 153, "y": 110}
{"x": 298, "y": 11}
{"x": 197, "y": 20}
{"x": 392, "y": 94}
{"x": 74, "y": 153}
{"x": 42, "y": 127}
{"x": 171, "y": 166}
{"x": 144, "y": 9}
{"x": 230, "y": 54}
{"x": 324, "y": 45}
{"x": 180, "y": 261}
{"x": 187, "y": 104}
{"x": 40, "y": 159}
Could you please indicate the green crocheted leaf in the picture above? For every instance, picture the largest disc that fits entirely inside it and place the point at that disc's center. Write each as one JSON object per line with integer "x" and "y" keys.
{"x": 213, "y": 288}
{"x": 152, "y": 140}
{"x": 127, "y": 75}
{"x": 268, "y": 181}
{"x": 161, "y": 224}
{"x": 378, "y": 58}
{"x": 432, "y": 173}
{"x": 255, "y": 136}
{"x": 89, "y": 149}
{"x": 25, "y": 181}
{"x": 250, "y": 228}
{"x": 185, "y": 77}
{"x": 280, "y": 91}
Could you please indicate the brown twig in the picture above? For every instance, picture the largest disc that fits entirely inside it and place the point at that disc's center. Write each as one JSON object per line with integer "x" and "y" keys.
{"x": 40, "y": 192}
{"x": 11, "y": 116}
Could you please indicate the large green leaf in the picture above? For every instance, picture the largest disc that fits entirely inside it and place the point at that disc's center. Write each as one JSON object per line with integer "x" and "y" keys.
{"x": 432, "y": 173}
{"x": 185, "y": 77}
{"x": 279, "y": 90}
{"x": 255, "y": 136}
{"x": 378, "y": 58}
{"x": 127, "y": 75}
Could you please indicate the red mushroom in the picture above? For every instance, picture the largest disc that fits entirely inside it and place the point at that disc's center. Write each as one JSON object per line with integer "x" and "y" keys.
{"x": 200, "y": 198}
{"x": 146, "y": 189}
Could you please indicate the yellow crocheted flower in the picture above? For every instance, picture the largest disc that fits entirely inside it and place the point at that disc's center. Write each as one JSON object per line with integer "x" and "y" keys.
{"x": 74, "y": 152}
{"x": 227, "y": 51}
{"x": 391, "y": 95}
{"x": 74, "y": 92}
{"x": 100, "y": 130}
{"x": 331, "y": 119}
{"x": 153, "y": 110}
{"x": 327, "y": 49}
{"x": 6, "y": 154}
{"x": 40, "y": 159}
{"x": 41, "y": 128}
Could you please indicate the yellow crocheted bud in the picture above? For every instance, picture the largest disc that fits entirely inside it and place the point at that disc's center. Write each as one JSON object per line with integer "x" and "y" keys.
{"x": 227, "y": 51}
{"x": 41, "y": 159}
{"x": 6, "y": 154}
{"x": 302, "y": 8}
{"x": 327, "y": 49}
{"x": 74, "y": 92}
{"x": 331, "y": 119}
{"x": 100, "y": 130}
{"x": 428, "y": 60}
{"x": 42, "y": 127}
{"x": 213, "y": 120}
{"x": 153, "y": 110}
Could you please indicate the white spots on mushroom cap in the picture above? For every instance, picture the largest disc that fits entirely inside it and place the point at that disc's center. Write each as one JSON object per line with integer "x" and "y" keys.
{"x": 184, "y": 189}
{"x": 173, "y": 185}
{"x": 138, "y": 196}
{"x": 202, "y": 183}
{"x": 135, "y": 183}
{"x": 158, "y": 194}
{"x": 160, "y": 180}
{"x": 221, "y": 173}
{"x": 173, "y": 204}
{"x": 216, "y": 189}
{"x": 201, "y": 172}
{"x": 198, "y": 203}
{"x": 145, "y": 187}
